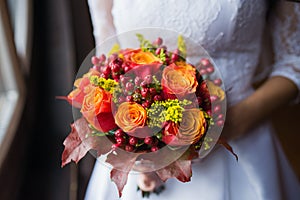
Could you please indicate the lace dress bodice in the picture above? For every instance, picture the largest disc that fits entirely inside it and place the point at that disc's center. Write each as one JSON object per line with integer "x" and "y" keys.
{"x": 230, "y": 30}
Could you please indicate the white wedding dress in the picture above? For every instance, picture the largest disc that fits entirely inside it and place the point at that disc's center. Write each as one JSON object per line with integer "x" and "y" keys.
{"x": 231, "y": 31}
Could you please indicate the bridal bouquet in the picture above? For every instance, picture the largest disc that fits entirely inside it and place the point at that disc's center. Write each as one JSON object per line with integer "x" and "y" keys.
{"x": 145, "y": 109}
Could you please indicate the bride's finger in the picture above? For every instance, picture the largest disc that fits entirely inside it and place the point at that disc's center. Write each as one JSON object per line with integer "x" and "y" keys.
{"x": 148, "y": 182}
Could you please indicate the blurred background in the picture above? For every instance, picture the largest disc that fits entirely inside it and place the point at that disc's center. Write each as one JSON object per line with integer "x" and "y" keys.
{"x": 42, "y": 44}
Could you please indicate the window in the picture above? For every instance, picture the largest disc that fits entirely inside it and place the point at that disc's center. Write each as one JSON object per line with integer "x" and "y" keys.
{"x": 11, "y": 80}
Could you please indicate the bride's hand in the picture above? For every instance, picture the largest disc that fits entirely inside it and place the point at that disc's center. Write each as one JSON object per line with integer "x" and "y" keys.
{"x": 148, "y": 182}
{"x": 239, "y": 119}
{"x": 242, "y": 117}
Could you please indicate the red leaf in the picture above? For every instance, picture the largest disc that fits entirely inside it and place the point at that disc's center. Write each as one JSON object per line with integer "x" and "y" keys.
{"x": 223, "y": 142}
{"x": 74, "y": 150}
{"x": 122, "y": 163}
{"x": 190, "y": 154}
{"x": 77, "y": 144}
{"x": 180, "y": 169}
{"x": 119, "y": 178}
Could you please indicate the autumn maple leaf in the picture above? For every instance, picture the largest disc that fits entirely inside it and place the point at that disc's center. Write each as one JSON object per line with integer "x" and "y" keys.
{"x": 80, "y": 141}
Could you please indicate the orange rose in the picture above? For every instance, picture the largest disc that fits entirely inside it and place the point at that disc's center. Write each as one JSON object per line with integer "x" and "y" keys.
{"x": 140, "y": 63}
{"x": 96, "y": 109}
{"x": 189, "y": 131}
{"x": 179, "y": 79}
{"x": 140, "y": 57}
{"x": 77, "y": 95}
{"x": 130, "y": 116}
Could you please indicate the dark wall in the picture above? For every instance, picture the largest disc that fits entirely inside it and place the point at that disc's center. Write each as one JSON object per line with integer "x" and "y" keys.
{"x": 62, "y": 38}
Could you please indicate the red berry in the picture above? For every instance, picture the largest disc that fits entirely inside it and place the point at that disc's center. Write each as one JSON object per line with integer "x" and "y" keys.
{"x": 148, "y": 79}
{"x": 137, "y": 81}
{"x": 126, "y": 69}
{"x": 144, "y": 92}
{"x": 133, "y": 141}
{"x": 158, "y": 50}
{"x": 116, "y": 65}
{"x": 174, "y": 57}
{"x": 148, "y": 140}
{"x": 158, "y": 41}
{"x": 102, "y": 58}
{"x": 220, "y": 116}
{"x": 146, "y": 104}
{"x": 115, "y": 68}
{"x": 121, "y": 99}
{"x": 124, "y": 79}
{"x": 143, "y": 84}
{"x": 152, "y": 91}
{"x": 119, "y": 133}
{"x": 220, "y": 122}
{"x": 113, "y": 57}
{"x": 102, "y": 68}
{"x": 218, "y": 82}
{"x": 114, "y": 146}
{"x": 168, "y": 60}
{"x": 203, "y": 71}
{"x": 214, "y": 98}
{"x": 120, "y": 140}
{"x": 154, "y": 148}
{"x": 149, "y": 101}
{"x": 116, "y": 77}
{"x": 157, "y": 98}
{"x": 217, "y": 109}
{"x": 164, "y": 48}
{"x": 176, "y": 51}
{"x": 125, "y": 64}
{"x": 96, "y": 67}
{"x": 129, "y": 86}
{"x": 129, "y": 148}
{"x": 203, "y": 86}
{"x": 95, "y": 60}
{"x": 103, "y": 76}
{"x": 106, "y": 71}
{"x": 138, "y": 91}
{"x": 129, "y": 98}
{"x": 210, "y": 69}
{"x": 208, "y": 112}
{"x": 205, "y": 62}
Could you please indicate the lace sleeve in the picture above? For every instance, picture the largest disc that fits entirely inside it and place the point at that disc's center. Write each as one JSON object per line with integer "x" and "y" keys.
{"x": 102, "y": 19}
{"x": 286, "y": 40}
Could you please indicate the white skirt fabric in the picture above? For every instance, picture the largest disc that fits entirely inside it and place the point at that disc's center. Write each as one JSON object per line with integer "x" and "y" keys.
{"x": 261, "y": 173}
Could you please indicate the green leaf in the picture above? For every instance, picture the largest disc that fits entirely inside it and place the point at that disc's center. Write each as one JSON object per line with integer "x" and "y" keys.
{"x": 145, "y": 45}
{"x": 181, "y": 46}
{"x": 115, "y": 49}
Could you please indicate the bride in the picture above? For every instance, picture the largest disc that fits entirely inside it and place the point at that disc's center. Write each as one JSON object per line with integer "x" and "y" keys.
{"x": 232, "y": 32}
